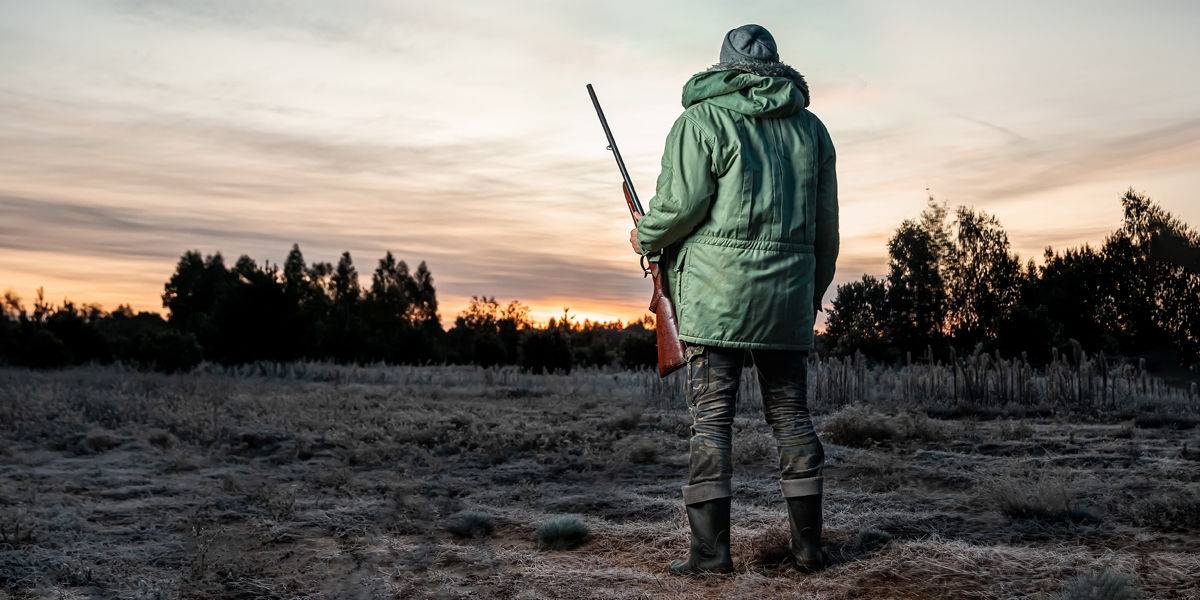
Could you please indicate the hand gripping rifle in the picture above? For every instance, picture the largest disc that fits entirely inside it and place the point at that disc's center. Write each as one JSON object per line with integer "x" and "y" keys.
{"x": 670, "y": 348}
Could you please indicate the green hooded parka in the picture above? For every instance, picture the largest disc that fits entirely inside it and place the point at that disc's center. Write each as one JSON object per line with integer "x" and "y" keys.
{"x": 746, "y": 210}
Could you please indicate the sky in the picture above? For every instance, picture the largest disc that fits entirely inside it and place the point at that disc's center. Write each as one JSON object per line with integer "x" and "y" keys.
{"x": 460, "y": 133}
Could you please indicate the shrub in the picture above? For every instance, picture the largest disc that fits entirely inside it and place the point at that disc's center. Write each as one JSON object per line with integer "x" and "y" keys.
{"x": 856, "y": 426}
{"x": 1177, "y": 511}
{"x": 752, "y": 446}
{"x": 1015, "y": 430}
{"x": 280, "y": 502}
{"x": 17, "y": 528}
{"x": 160, "y": 438}
{"x": 470, "y": 524}
{"x": 561, "y": 533}
{"x": 96, "y": 440}
{"x": 920, "y": 427}
{"x": 620, "y": 457}
{"x": 627, "y": 419}
{"x": 643, "y": 454}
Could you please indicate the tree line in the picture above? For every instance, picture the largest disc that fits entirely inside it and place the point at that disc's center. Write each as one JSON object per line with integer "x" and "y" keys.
{"x": 955, "y": 285}
{"x": 300, "y": 311}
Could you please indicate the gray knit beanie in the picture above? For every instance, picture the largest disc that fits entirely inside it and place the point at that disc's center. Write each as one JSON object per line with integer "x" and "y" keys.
{"x": 749, "y": 43}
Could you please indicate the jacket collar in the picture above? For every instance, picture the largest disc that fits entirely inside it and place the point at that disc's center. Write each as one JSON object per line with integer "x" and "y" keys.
{"x": 766, "y": 69}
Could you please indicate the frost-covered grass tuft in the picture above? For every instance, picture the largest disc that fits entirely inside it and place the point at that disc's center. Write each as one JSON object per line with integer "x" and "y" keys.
{"x": 470, "y": 524}
{"x": 1045, "y": 500}
{"x": 561, "y": 533}
{"x": 1105, "y": 584}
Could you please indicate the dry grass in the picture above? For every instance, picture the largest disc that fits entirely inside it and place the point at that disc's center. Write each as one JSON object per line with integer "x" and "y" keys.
{"x": 313, "y": 481}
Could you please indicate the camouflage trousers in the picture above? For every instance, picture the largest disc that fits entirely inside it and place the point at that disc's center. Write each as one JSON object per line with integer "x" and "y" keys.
{"x": 713, "y": 378}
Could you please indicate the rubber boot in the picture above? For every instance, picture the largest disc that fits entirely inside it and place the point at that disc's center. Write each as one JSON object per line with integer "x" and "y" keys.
{"x": 709, "y": 521}
{"x": 804, "y": 517}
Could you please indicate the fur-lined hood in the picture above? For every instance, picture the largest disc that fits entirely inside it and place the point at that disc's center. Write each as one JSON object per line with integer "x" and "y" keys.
{"x": 766, "y": 69}
{"x": 768, "y": 89}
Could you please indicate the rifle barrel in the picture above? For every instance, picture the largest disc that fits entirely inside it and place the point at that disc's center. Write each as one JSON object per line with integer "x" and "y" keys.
{"x": 612, "y": 145}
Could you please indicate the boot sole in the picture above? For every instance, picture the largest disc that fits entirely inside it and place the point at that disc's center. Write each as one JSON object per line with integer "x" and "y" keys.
{"x": 690, "y": 571}
{"x": 807, "y": 567}
{"x": 699, "y": 573}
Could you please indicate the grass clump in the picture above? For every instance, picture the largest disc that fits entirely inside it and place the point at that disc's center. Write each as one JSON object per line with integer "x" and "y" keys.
{"x": 643, "y": 454}
{"x": 17, "y": 528}
{"x": 470, "y": 524}
{"x": 1099, "y": 585}
{"x": 1043, "y": 500}
{"x": 752, "y": 446}
{"x": 859, "y": 427}
{"x": 561, "y": 533}
{"x": 160, "y": 438}
{"x": 627, "y": 420}
{"x": 855, "y": 426}
{"x": 1177, "y": 511}
{"x": 1015, "y": 430}
{"x": 96, "y": 441}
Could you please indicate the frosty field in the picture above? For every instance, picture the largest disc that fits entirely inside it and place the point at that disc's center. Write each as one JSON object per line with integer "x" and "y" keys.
{"x": 316, "y": 481}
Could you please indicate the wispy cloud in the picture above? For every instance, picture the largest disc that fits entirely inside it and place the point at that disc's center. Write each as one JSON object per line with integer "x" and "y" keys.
{"x": 460, "y": 134}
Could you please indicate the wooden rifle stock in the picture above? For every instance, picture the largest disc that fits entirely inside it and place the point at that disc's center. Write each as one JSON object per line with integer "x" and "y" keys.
{"x": 670, "y": 347}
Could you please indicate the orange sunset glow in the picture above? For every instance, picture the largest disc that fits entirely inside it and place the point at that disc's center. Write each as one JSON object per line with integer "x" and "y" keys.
{"x": 460, "y": 134}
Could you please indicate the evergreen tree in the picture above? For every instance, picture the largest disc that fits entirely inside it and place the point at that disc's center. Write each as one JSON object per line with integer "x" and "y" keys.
{"x": 257, "y": 318}
{"x": 392, "y": 291}
{"x": 916, "y": 288}
{"x": 193, "y": 294}
{"x": 294, "y": 272}
{"x": 344, "y": 283}
{"x": 343, "y": 335}
{"x": 426, "y": 305}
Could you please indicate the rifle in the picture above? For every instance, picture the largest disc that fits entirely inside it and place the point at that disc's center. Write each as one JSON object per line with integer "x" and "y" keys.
{"x": 670, "y": 348}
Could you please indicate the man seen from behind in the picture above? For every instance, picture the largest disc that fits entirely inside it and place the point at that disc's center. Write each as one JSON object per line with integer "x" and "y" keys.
{"x": 745, "y": 225}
